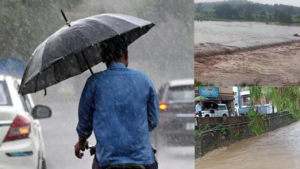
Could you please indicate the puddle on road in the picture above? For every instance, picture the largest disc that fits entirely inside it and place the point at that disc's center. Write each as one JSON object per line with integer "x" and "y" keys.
{"x": 275, "y": 150}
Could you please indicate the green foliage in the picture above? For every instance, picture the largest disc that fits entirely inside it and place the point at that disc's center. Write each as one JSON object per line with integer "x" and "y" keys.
{"x": 236, "y": 136}
{"x": 255, "y": 93}
{"x": 219, "y": 126}
{"x": 285, "y": 17}
{"x": 197, "y": 132}
{"x": 206, "y": 127}
{"x": 198, "y": 7}
{"x": 225, "y": 10}
{"x": 223, "y": 130}
{"x": 284, "y": 98}
{"x": 247, "y": 11}
{"x": 258, "y": 122}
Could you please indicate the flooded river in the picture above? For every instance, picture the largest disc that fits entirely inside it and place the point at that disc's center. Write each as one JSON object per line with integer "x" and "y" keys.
{"x": 243, "y": 34}
{"x": 273, "y": 150}
{"x": 244, "y": 53}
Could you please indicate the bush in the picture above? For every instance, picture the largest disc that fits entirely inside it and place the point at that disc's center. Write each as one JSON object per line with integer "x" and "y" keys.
{"x": 236, "y": 136}
{"x": 206, "y": 127}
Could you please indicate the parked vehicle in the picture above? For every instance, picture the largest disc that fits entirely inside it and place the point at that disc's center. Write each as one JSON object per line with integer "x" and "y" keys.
{"x": 21, "y": 141}
{"x": 177, "y": 108}
{"x": 221, "y": 111}
{"x": 266, "y": 109}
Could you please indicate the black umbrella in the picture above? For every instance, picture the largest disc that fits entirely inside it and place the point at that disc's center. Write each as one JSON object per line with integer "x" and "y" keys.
{"x": 210, "y": 105}
{"x": 78, "y": 46}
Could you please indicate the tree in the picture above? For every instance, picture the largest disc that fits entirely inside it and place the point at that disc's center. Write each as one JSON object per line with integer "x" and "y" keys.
{"x": 263, "y": 13}
{"x": 284, "y": 17}
{"x": 284, "y": 98}
{"x": 276, "y": 13}
{"x": 225, "y": 10}
{"x": 198, "y": 7}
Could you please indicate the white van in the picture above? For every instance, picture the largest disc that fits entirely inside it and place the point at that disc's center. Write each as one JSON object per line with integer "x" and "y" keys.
{"x": 221, "y": 111}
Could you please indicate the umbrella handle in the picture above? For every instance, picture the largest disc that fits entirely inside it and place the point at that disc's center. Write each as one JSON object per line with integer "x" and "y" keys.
{"x": 63, "y": 14}
{"x": 86, "y": 61}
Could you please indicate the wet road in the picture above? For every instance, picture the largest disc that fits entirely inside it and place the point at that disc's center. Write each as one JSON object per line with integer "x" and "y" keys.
{"x": 60, "y": 137}
{"x": 273, "y": 150}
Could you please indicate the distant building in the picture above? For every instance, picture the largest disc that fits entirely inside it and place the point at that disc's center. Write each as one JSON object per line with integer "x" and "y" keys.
{"x": 245, "y": 96}
{"x": 226, "y": 96}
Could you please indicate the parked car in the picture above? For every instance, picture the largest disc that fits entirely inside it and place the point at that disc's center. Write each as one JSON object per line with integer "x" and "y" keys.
{"x": 266, "y": 109}
{"x": 21, "y": 141}
{"x": 176, "y": 127}
{"x": 221, "y": 111}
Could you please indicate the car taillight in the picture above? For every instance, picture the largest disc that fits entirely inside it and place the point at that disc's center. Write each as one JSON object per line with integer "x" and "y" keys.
{"x": 163, "y": 106}
{"x": 20, "y": 128}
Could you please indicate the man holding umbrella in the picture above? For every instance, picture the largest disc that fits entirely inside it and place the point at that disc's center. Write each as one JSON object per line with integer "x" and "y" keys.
{"x": 119, "y": 104}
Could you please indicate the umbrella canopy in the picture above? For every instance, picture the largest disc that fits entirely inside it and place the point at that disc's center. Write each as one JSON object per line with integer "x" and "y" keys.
{"x": 210, "y": 105}
{"x": 200, "y": 98}
{"x": 78, "y": 46}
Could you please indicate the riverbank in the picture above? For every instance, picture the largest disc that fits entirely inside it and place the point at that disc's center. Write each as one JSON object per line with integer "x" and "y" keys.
{"x": 274, "y": 64}
{"x": 276, "y": 149}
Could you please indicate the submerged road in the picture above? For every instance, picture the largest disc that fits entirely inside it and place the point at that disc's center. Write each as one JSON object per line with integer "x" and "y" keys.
{"x": 273, "y": 150}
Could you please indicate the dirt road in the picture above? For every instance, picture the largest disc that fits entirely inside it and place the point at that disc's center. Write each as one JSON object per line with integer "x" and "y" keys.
{"x": 271, "y": 66}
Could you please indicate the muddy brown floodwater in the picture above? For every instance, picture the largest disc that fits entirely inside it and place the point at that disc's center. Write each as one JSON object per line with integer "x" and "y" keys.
{"x": 278, "y": 149}
{"x": 270, "y": 66}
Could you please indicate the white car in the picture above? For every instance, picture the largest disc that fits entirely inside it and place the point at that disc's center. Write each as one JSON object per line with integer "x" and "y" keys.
{"x": 21, "y": 141}
{"x": 221, "y": 111}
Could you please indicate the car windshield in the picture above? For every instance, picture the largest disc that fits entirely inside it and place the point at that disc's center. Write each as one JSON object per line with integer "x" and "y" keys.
{"x": 181, "y": 93}
{"x": 3, "y": 95}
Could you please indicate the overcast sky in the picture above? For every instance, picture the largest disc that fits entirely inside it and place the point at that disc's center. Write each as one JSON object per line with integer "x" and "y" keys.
{"x": 285, "y": 2}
